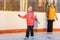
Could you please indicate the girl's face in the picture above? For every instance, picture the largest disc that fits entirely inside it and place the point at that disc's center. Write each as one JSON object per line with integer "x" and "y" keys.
{"x": 29, "y": 10}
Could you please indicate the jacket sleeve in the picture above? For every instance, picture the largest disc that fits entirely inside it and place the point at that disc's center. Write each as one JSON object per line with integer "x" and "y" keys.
{"x": 35, "y": 18}
{"x": 55, "y": 14}
{"x": 22, "y": 16}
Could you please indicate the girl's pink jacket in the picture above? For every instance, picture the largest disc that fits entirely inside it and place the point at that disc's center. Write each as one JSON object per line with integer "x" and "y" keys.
{"x": 30, "y": 18}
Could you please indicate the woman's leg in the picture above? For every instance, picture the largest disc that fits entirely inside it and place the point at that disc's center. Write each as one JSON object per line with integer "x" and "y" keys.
{"x": 50, "y": 26}
{"x": 51, "y": 29}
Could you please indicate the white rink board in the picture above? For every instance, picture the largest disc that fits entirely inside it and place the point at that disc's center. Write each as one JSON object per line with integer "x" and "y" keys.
{"x": 10, "y": 20}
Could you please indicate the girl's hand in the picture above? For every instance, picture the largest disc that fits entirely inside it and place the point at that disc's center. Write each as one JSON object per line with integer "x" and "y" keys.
{"x": 35, "y": 19}
{"x": 19, "y": 15}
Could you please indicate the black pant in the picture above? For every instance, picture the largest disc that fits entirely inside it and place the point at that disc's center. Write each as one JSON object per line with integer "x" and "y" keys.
{"x": 29, "y": 30}
{"x": 50, "y": 26}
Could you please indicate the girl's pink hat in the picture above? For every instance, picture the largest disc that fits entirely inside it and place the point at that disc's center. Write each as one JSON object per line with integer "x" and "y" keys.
{"x": 30, "y": 8}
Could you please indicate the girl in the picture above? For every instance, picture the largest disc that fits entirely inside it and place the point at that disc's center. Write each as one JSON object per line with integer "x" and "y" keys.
{"x": 30, "y": 22}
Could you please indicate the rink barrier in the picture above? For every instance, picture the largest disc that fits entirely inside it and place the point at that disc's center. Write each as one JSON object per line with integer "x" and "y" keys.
{"x": 11, "y": 23}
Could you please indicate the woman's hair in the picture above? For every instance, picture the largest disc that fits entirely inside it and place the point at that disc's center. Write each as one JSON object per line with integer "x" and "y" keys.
{"x": 51, "y": 4}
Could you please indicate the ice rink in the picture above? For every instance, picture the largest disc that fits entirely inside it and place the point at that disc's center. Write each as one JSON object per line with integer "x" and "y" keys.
{"x": 38, "y": 36}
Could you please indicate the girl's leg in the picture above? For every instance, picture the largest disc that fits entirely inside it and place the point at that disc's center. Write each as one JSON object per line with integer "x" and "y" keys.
{"x": 31, "y": 30}
{"x": 27, "y": 32}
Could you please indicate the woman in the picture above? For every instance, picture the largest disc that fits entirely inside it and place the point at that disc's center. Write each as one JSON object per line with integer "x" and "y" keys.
{"x": 51, "y": 15}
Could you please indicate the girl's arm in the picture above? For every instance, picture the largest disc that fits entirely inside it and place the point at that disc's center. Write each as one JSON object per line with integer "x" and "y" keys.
{"x": 21, "y": 16}
{"x": 35, "y": 18}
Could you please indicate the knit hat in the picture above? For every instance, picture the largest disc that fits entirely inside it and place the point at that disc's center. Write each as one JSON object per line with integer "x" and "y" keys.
{"x": 30, "y": 8}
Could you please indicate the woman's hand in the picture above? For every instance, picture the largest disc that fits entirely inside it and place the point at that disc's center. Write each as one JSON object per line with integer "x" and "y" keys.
{"x": 56, "y": 18}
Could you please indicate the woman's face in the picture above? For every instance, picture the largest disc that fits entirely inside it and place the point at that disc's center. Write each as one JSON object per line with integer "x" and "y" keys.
{"x": 51, "y": 5}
